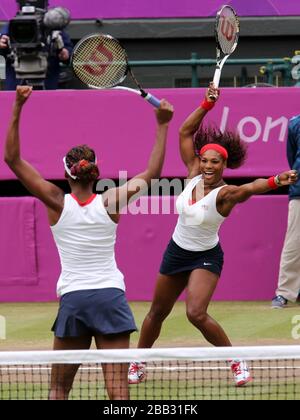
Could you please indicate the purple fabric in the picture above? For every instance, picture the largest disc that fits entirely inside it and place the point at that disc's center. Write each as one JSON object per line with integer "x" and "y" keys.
{"x": 91, "y": 9}
{"x": 18, "y": 254}
{"x": 251, "y": 244}
{"x": 121, "y": 128}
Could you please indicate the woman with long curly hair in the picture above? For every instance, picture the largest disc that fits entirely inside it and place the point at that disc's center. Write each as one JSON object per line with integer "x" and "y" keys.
{"x": 193, "y": 259}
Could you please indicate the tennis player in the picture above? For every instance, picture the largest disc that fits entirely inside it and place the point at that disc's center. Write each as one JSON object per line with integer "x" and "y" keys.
{"x": 90, "y": 287}
{"x": 194, "y": 257}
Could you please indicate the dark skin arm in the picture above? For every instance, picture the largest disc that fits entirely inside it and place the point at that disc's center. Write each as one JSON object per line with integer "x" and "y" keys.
{"x": 117, "y": 198}
{"x": 231, "y": 195}
{"x": 48, "y": 193}
{"x": 187, "y": 131}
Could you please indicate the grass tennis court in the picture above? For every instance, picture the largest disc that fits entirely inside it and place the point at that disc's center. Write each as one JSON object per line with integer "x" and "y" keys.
{"x": 247, "y": 323}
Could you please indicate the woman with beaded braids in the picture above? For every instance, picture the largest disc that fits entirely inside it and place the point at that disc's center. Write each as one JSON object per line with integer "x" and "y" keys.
{"x": 193, "y": 259}
{"x": 90, "y": 287}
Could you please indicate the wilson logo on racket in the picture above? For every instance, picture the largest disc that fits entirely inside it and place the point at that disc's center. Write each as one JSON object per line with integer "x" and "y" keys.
{"x": 99, "y": 66}
{"x": 227, "y": 28}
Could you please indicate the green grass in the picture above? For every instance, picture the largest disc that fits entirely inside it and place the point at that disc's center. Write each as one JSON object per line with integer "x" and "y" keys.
{"x": 163, "y": 390}
{"x": 247, "y": 323}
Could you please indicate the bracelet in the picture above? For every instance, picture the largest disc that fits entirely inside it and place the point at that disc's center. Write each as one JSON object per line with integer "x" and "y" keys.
{"x": 207, "y": 105}
{"x": 272, "y": 183}
{"x": 277, "y": 180}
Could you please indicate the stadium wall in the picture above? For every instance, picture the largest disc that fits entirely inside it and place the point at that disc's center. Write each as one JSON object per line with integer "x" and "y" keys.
{"x": 121, "y": 128}
{"x": 251, "y": 238}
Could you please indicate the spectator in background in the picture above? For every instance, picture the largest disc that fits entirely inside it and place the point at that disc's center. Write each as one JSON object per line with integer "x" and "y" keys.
{"x": 54, "y": 60}
{"x": 289, "y": 273}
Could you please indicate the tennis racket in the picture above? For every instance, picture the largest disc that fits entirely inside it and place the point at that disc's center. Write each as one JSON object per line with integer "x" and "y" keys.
{"x": 101, "y": 62}
{"x": 227, "y": 30}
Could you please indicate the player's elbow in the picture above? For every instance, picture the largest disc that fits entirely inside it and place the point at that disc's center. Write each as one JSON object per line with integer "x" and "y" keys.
{"x": 10, "y": 160}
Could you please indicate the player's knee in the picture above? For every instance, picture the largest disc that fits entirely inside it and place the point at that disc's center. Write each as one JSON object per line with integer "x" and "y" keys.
{"x": 196, "y": 315}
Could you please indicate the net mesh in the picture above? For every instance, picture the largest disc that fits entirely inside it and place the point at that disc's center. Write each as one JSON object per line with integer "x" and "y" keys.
{"x": 227, "y": 30}
{"x": 172, "y": 374}
{"x": 100, "y": 61}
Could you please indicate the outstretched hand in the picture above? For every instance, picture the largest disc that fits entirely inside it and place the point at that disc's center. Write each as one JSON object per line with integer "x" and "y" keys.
{"x": 288, "y": 177}
{"x": 22, "y": 94}
{"x": 164, "y": 113}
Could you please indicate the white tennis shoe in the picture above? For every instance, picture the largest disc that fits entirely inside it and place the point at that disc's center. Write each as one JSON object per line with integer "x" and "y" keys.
{"x": 136, "y": 373}
{"x": 241, "y": 374}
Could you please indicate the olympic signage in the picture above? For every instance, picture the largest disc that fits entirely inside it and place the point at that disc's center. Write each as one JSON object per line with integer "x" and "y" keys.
{"x": 121, "y": 128}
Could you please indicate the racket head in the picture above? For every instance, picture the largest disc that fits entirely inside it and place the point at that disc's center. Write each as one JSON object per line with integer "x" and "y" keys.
{"x": 99, "y": 61}
{"x": 227, "y": 29}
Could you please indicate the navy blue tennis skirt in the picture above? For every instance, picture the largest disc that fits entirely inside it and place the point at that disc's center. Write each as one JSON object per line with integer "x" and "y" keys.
{"x": 178, "y": 260}
{"x": 93, "y": 312}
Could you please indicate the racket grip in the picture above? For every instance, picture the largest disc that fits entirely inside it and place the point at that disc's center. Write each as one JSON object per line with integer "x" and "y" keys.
{"x": 217, "y": 77}
{"x": 216, "y": 81}
{"x": 152, "y": 100}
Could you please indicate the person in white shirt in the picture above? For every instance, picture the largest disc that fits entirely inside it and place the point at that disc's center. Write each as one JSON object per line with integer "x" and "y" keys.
{"x": 90, "y": 287}
{"x": 193, "y": 259}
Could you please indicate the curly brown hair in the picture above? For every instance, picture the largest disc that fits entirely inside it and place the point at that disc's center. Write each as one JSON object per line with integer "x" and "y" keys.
{"x": 81, "y": 160}
{"x": 236, "y": 148}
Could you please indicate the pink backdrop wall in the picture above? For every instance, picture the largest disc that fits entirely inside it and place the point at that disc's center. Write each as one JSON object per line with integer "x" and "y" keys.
{"x": 89, "y": 9}
{"x": 121, "y": 127}
{"x": 252, "y": 249}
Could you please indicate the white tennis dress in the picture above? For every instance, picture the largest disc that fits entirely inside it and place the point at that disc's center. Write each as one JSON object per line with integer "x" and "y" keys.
{"x": 85, "y": 237}
{"x": 198, "y": 224}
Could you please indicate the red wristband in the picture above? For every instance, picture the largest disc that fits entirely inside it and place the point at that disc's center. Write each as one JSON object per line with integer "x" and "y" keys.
{"x": 272, "y": 184}
{"x": 207, "y": 105}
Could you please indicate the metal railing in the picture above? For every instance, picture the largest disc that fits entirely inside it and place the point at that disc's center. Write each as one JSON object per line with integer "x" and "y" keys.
{"x": 288, "y": 67}
{"x": 270, "y": 66}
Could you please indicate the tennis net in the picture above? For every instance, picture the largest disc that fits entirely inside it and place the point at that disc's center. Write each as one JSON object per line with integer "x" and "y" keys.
{"x": 172, "y": 374}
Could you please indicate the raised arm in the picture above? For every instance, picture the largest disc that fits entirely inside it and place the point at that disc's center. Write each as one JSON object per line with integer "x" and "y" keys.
{"x": 117, "y": 198}
{"x": 231, "y": 195}
{"x": 191, "y": 126}
{"x": 47, "y": 192}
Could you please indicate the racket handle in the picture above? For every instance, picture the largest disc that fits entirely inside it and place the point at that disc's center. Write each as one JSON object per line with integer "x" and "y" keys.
{"x": 152, "y": 100}
{"x": 216, "y": 81}
{"x": 217, "y": 77}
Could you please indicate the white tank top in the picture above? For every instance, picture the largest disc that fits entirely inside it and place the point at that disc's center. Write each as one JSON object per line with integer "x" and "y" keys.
{"x": 85, "y": 237}
{"x": 198, "y": 224}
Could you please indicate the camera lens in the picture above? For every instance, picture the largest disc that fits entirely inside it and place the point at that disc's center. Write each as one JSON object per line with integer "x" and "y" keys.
{"x": 23, "y": 32}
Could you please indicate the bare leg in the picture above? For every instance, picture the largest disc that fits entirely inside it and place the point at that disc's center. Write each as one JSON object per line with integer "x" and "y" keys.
{"x": 201, "y": 287}
{"x": 62, "y": 376}
{"x": 115, "y": 374}
{"x": 167, "y": 291}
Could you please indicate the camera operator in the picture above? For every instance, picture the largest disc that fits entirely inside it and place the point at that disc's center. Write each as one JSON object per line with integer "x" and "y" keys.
{"x": 57, "y": 51}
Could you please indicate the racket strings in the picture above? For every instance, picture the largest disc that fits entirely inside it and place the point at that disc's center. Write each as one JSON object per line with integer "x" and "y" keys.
{"x": 100, "y": 61}
{"x": 227, "y": 30}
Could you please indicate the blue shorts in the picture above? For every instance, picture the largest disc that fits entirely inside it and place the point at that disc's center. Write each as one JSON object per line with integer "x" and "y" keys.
{"x": 178, "y": 260}
{"x": 93, "y": 312}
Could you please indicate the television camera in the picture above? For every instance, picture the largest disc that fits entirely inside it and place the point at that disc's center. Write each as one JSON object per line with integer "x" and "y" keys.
{"x": 35, "y": 34}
